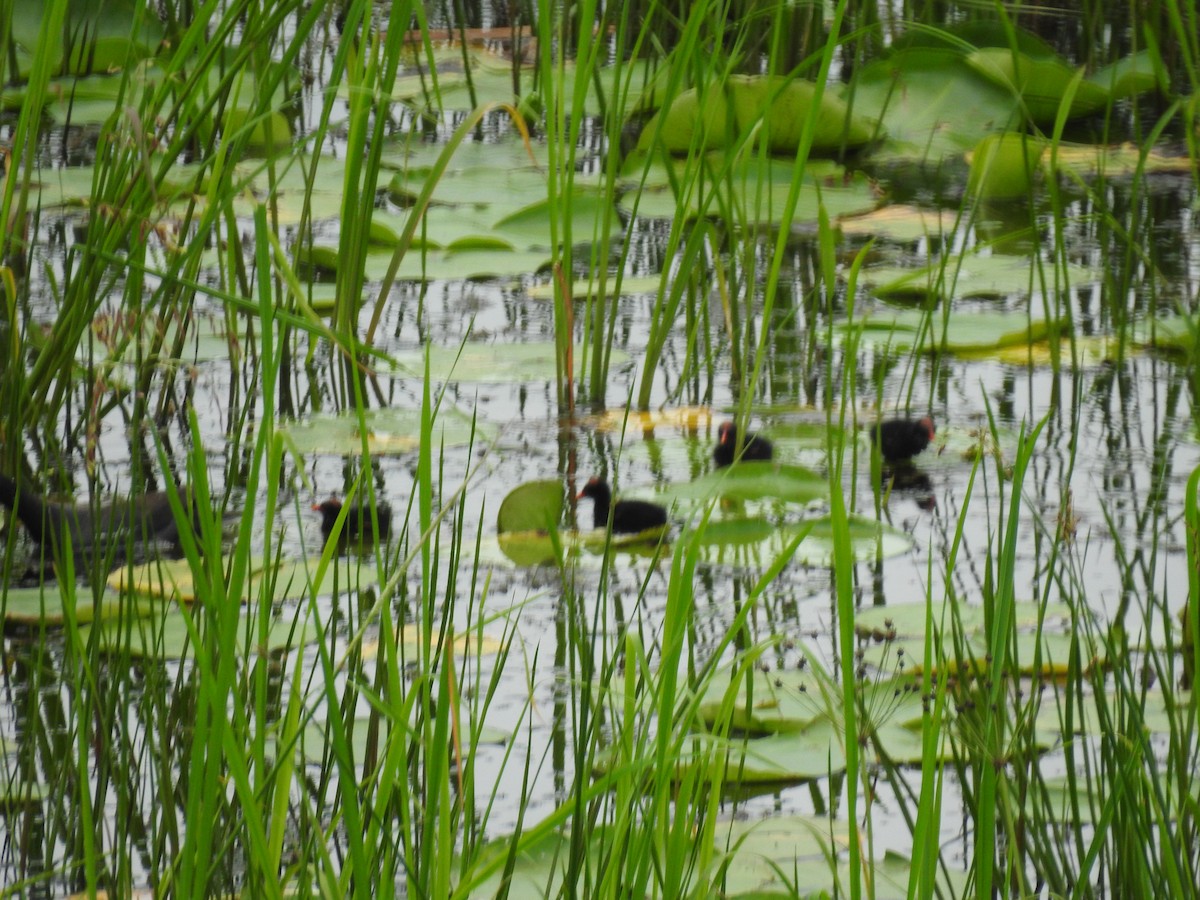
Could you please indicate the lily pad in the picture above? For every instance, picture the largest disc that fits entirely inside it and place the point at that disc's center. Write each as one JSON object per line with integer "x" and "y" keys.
{"x": 534, "y": 506}
{"x": 44, "y": 605}
{"x": 492, "y": 363}
{"x": 581, "y": 548}
{"x": 758, "y": 190}
{"x": 98, "y": 37}
{"x": 685, "y": 418}
{"x": 167, "y": 637}
{"x": 291, "y": 579}
{"x": 389, "y": 431}
{"x": 754, "y": 481}
{"x": 775, "y": 106}
{"x": 907, "y": 649}
{"x": 898, "y": 222}
{"x": 1003, "y": 166}
{"x": 458, "y": 263}
{"x": 751, "y": 860}
{"x": 582, "y": 289}
{"x": 756, "y": 542}
{"x": 466, "y": 643}
{"x": 932, "y": 105}
{"x": 978, "y": 334}
{"x": 1040, "y": 82}
{"x": 973, "y": 275}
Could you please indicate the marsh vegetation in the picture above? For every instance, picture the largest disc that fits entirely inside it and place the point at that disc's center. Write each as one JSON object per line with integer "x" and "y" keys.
{"x": 450, "y": 263}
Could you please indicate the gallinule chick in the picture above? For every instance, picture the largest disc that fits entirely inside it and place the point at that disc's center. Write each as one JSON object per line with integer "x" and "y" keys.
{"x": 359, "y": 525}
{"x": 628, "y": 516}
{"x": 902, "y": 439}
{"x": 143, "y": 519}
{"x": 755, "y": 447}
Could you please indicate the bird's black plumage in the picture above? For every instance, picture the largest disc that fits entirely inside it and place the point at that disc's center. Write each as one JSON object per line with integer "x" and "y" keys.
{"x": 755, "y": 447}
{"x": 359, "y": 526}
{"x": 901, "y": 439}
{"x": 106, "y": 527}
{"x": 628, "y": 516}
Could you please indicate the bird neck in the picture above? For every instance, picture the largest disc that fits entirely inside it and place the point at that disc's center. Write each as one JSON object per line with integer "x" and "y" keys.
{"x": 603, "y": 501}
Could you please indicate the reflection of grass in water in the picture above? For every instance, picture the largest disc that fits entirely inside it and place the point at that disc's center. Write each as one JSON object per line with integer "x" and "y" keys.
{"x": 198, "y": 756}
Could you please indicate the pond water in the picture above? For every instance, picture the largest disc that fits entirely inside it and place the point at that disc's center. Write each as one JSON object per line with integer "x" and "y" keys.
{"x": 1100, "y": 519}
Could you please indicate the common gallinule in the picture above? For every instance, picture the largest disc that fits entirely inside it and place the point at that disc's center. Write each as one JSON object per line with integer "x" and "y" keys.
{"x": 359, "y": 526}
{"x": 901, "y": 439}
{"x": 143, "y": 519}
{"x": 755, "y": 447}
{"x": 628, "y": 516}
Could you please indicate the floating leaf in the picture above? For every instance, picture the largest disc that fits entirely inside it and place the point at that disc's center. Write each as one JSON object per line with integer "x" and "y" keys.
{"x": 751, "y": 860}
{"x": 44, "y": 605}
{"x": 1129, "y": 76}
{"x": 536, "y": 548}
{"x": 1042, "y": 82}
{"x": 99, "y": 37}
{"x": 412, "y": 637}
{"x": 759, "y": 189}
{"x": 492, "y": 363}
{"x": 932, "y": 105}
{"x": 582, "y": 289}
{"x": 290, "y": 579}
{"x": 686, "y": 418}
{"x": 754, "y": 481}
{"x": 898, "y": 222}
{"x": 1003, "y": 165}
{"x": 389, "y": 431}
{"x": 777, "y": 106}
{"x": 534, "y": 506}
{"x": 973, "y": 275}
{"x": 755, "y": 542}
{"x": 970, "y": 332}
{"x": 167, "y": 637}
{"x": 1051, "y": 648}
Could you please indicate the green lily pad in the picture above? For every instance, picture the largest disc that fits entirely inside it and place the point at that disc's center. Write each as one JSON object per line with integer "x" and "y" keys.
{"x": 167, "y": 637}
{"x": 100, "y": 37}
{"x": 1175, "y": 333}
{"x": 534, "y": 506}
{"x": 389, "y": 431}
{"x": 455, "y": 264}
{"x": 1129, "y": 76}
{"x": 907, "y": 648}
{"x": 1041, "y": 82}
{"x": 754, "y": 481}
{"x": 1003, "y": 166}
{"x": 492, "y": 363}
{"x": 588, "y": 289}
{"x": 778, "y": 107}
{"x": 898, "y": 222}
{"x": 790, "y": 700}
{"x": 591, "y": 216}
{"x": 751, "y": 860}
{"x": 580, "y": 548}
{"x": 973, "y": 275}
{"x": 269, "y": 133}
{"x": 932, "y": 105}
{"x": 44, "y": 605}
{"x": 759, "y": 190}
{"x": 973, "y": 333}
{"x": 754, "y": 542}
{"x": 290, "y": 580}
